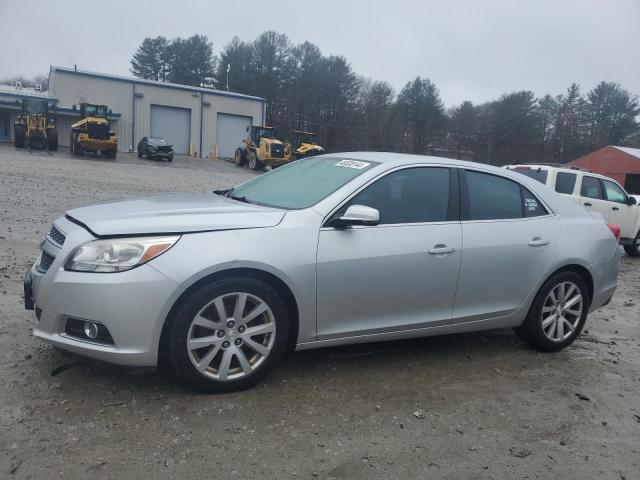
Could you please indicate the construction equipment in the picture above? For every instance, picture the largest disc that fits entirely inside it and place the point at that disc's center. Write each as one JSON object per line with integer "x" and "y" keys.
{"x": 303, "y": 144}
{"x": 34, "y": 127}
{"x": 260, "y": 149}
{"x": 92, "y": 133}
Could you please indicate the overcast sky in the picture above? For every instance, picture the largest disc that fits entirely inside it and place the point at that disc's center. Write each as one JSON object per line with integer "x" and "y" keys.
{"x": 472, "y": 49}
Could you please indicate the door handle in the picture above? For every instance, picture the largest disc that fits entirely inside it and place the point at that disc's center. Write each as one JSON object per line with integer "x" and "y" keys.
{"x": 587, "y": 204}
{"x": 538, "y": 242}
{"x": 615, "y": 208}
{"x": 440, "y": 249}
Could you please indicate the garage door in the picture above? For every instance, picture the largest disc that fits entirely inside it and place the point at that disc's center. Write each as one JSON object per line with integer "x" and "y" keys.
{"x": 173, "y": 124}
{"x": 230, "y": 131}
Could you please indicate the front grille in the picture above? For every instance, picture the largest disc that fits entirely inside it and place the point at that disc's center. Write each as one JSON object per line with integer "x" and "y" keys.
{"x": 45, "y": 262}
{"x": 56, "y": 235}
{"x": 164, "y": 149}
{"x": 277, "y": 150}
{"x": 98, "y": 131}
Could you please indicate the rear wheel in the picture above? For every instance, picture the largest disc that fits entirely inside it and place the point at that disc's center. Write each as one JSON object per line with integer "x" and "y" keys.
{"x": 558, "y": 313}
{"x": 633, "y": 249}
{"x": 239, "y": 158}
{"x": 139, "y": 153}
{"x": 228, "y": 335}
{"x": 18, "y": 136}
{"x": 76, "y": 148}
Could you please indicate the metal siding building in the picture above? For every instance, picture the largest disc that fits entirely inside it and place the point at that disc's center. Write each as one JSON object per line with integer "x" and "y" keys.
{"x": 132, "y": 101}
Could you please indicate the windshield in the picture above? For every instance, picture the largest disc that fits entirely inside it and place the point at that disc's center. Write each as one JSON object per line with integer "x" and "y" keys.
{"x": 302, "y": 183}
{"x": 35, "y": 107}
{"x": 266, "y": 132}
{"x": 95, "y": 111}
{"x": 161, "y": 142}
{"x": 306, "y": 138}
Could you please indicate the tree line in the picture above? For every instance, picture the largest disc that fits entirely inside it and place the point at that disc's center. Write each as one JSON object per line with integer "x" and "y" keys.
{"x": 307, "y": 90}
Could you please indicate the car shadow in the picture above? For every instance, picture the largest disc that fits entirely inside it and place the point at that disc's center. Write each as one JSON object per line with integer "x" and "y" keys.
{"x": 351, "y": 364}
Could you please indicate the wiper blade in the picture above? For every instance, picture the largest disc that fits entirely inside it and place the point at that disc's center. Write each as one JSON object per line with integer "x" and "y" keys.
{"x": 240, "y": 198}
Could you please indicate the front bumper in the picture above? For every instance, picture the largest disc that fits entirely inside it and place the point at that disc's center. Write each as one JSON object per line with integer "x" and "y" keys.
{"x": 132, "y": 305}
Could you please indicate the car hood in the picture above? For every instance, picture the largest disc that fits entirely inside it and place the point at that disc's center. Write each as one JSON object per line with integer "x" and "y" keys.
{"x": 173, "y": 213}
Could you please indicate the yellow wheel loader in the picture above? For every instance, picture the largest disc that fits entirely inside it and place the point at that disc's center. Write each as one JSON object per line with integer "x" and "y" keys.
{"x": 304, "y": 144}
{"x": 262, "y": 148}
{"x": 93, "y": 133}
{"x": 34, "y": 127}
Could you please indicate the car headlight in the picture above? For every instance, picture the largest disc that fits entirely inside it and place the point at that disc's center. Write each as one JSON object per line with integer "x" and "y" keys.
{"x": 117, "y": 254}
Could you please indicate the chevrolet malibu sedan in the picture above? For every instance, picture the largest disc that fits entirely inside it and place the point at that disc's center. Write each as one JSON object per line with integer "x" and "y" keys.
{"x": 330, "y": 250}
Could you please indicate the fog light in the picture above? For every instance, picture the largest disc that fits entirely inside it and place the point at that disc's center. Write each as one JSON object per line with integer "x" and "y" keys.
{"x": 91, "y": 329}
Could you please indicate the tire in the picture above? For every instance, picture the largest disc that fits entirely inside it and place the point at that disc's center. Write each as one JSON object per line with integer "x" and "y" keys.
{"x": 239, "y": 158}
{"x": 52, "y": 139}
{"x": 254, "y": 163}
{"x": 633, "y": 250}
{"x": 553, "y": 338}
{"x": 139, "y": 153}
{"x": 170, "y": 158}
{"x": 112, "y": 153}
{"x": 228, "y": 338}
{"x": 18, "y": 136}
{"x": 76, "y": 148}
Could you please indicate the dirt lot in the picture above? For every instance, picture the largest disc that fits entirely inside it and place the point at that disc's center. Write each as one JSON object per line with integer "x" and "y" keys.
{"x": 464, "y": 406}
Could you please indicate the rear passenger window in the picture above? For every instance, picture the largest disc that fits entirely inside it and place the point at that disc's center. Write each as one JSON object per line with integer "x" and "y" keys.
{"x": 531, "y": 205}
{"x": 491, "y": 197}
{"x": 565, "y": 182}
{"x": 591, "y": 187}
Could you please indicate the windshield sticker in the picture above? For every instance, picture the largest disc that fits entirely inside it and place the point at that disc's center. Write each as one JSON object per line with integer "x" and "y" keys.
{"x": 352, "y": 164}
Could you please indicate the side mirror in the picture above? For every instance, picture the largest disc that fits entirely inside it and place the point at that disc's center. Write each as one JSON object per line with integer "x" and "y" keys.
{"x": 632, "y": 200}
{"x": 357, "y": 215}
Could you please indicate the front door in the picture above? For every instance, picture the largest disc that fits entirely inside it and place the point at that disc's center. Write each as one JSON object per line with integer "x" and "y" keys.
{"x": 620, "y": 212}
{"x": 509, "y": 240}
{"x": 400, "y": 274}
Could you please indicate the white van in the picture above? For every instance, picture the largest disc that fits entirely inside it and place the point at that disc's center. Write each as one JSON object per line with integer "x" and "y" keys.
{"x": 594, "y": 192}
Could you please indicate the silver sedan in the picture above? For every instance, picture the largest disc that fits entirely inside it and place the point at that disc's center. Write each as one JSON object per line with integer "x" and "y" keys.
{"x": 330, "y": 250}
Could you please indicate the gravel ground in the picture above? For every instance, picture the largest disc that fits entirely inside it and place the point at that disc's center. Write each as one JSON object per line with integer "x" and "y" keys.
{"x": 463, "y": 406}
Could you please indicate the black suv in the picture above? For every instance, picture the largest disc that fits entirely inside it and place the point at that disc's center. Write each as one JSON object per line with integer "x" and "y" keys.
{"x": 155, "y": 147}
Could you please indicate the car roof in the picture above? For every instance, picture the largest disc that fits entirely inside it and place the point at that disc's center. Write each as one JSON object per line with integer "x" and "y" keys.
{"x": 545, "y": 166}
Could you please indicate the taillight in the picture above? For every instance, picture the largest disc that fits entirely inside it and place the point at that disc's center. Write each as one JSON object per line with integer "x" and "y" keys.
{"x": 615, "y": 229}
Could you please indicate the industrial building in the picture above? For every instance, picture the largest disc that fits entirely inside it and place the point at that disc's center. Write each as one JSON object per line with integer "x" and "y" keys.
{"x": 197, "y": 121}
{"x": 620, "y": 163}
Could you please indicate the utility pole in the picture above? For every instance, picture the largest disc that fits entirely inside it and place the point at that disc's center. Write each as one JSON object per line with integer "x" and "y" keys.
{"x": 228, "y": 68}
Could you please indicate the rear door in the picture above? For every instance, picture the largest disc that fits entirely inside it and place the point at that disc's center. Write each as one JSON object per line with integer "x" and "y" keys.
{"x": 592, "y": 196}
{"x": 620, "y": 212}
{"x": 509, "y": 238}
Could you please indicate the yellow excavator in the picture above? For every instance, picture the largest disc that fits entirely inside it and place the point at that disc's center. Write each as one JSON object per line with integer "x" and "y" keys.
{"x": 304, "y": 144}
{"x": 34, "y": 127}
{"x": 93, "y": 133}
{"x": 262, "y": 148}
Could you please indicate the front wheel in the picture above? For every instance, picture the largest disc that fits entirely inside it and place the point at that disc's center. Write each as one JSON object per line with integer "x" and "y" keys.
{"x": 228, "y": 335}
{"x": 558, "y": 313}
{"x": 633, "y": 249}
{"x": 254, "y": 162}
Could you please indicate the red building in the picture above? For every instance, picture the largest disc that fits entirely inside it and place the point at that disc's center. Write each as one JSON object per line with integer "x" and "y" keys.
{"x": 620, "y": 163}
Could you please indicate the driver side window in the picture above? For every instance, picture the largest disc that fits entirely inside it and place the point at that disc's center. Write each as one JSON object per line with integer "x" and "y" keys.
{"x": 411, "y": 195}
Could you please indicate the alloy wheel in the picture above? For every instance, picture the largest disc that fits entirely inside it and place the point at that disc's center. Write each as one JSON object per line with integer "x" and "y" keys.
{"x": 231, "y": 336}
{"x": 561, "y": 311}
